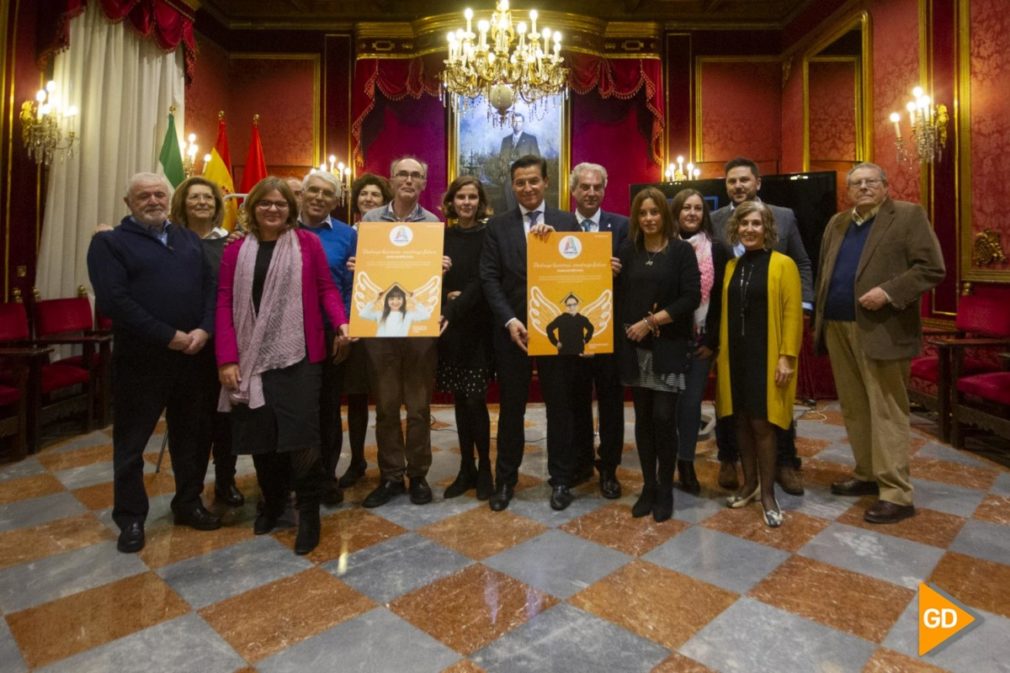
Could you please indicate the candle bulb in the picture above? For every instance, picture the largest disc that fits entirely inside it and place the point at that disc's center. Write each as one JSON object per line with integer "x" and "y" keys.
{"x": 468, "y": 13}
{"x": 896, "y": 120}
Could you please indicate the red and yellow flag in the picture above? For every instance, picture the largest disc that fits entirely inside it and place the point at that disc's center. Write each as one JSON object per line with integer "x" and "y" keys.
{"x": 218, "y": 171}
{"x": 255, "y": 165}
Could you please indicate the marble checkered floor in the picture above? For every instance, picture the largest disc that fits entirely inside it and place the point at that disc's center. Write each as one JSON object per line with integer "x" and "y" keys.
{"x": 453, "y": 587}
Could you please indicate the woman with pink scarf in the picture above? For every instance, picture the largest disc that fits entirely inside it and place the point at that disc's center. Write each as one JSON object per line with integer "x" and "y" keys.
{"x": 273, "y": 289}
{"x": 690, "y": 212}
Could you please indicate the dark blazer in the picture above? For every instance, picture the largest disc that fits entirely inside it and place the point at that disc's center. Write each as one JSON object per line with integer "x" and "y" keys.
{"x": 902, "y": 256}
{"x": 527, "y": 145}
{"x": 679, "y": 297}
{"x": 790, "y": 242}
{"x": 503, "y": 261}
{"x": 616, "y": 224}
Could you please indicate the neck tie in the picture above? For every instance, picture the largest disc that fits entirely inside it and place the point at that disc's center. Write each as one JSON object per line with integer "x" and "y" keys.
{"x": 587, "y": 224}
{"x": 532, "y": 216}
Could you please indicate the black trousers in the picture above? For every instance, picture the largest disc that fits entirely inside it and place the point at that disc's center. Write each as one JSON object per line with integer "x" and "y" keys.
{"x": 725, "y": 439}
{"x": 330, "y": 430}
{"x": 556, "y": 375}
{"x": 604, "y": 373}
{"x": 147, "y": 380}
{"x": 216, "y": 428}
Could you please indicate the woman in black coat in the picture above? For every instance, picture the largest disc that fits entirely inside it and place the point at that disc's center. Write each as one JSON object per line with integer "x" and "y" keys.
{"x": 658, "y": 291}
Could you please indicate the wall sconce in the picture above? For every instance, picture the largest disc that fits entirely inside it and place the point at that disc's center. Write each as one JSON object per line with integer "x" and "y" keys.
{"x": 676, "y": 172}
{"x": 189, "y": 162}
{"x": 46, "y": 125}
{"x": 343, "y": 175}
{"x": 927, "y": 129}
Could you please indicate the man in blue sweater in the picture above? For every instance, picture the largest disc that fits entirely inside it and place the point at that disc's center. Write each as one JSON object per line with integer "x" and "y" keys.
{"x": 152, "y": 279}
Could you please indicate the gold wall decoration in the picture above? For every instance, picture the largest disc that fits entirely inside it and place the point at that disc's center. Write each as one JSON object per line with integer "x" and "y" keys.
{"x": 986, "y": 249}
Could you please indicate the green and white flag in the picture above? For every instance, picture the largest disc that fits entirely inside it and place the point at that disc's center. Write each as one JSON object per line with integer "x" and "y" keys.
{"x": 171, "y": 155}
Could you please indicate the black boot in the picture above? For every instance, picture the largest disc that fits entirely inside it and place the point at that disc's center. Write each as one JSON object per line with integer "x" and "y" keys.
{"x": 485, "y": 482}
{"x": 465, "y": 480}
{"x": 308, "y": 528}
{"x": 688, "y": 477}
{"x": 662, "y": 509}
{"x": 643, "y": 506}
{"x": 355, "y": 471}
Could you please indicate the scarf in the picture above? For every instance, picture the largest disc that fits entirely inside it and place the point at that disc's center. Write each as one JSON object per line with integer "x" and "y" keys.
{"x": 274, "y": 337}
{"x": 702, "y": 245}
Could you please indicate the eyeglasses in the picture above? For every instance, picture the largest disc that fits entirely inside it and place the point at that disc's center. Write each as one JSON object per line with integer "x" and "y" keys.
{"x": 414, "y": 175}
{"x": 866, "y": 182}
{"x": 267, "y": 205}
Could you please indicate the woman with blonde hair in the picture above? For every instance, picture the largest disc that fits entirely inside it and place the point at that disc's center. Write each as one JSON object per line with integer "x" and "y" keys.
{"x": 759, "y": 341}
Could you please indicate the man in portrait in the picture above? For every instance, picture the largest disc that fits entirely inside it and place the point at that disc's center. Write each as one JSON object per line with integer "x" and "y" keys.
{"x": 514, "y": 145}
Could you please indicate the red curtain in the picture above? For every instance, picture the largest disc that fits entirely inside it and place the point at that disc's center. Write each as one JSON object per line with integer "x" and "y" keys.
{"x": 613, "y": 98}
{"x": 167, "y": 22}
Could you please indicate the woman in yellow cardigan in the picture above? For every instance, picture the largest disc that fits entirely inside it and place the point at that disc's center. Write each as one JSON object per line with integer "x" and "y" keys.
{"x": 759, "y": 341}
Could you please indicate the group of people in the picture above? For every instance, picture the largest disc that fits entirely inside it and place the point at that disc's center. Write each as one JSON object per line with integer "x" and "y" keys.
{"x": 244, "y": 342}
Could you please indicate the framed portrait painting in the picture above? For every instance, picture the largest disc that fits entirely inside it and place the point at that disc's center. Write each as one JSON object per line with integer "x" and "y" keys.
{"x": 479, "y": 147}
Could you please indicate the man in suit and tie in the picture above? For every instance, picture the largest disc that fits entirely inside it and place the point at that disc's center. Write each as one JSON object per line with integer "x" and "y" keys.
{"x": 876, "y": 261}
{"x": 743, "y": 181}
{"x": 588, "y": 184}
{"x": 514, "y": 145}
{"x": 503, "y": 277}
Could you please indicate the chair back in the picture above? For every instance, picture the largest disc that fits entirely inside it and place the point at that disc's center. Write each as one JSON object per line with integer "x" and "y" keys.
{"x": 984, "y": 314}
{"x": 61, "y": 316}
{"x": 13, "y": 322}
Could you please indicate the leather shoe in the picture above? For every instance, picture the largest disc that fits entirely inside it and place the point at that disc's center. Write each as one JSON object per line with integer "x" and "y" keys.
{"x": 662, "y": 508}
{"x": 420, "y": 492}
{"x": 561, "y": 498}
{"x": 355, "y": 471}
{"x": 883, "y": 511}
{"x": 384, "y": 493}
{"x": 610, "y": 488}
{"x": 265, "y": 522}
{"x": 199, "y": 518}
{"x": 131, "y": 538}
{"x": 855, "y": 487}
{"x": 465, "y": 480}
{"x": 332, "y": 494}
{"x": 228, "y": 494}
{"x": 790, "y": 479}
{"x": 646, "y": 499}
{"x": 307, "y": 538}
{"x": 501, "y": 498}
{"x": 727, "y": 475}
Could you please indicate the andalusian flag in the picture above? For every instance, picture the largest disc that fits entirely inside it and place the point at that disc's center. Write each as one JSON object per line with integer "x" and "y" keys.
{"x": 171, "y": 155}
{"x": 218, "y": 171}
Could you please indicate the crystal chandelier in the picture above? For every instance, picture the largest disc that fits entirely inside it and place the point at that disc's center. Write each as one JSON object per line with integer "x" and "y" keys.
{"x": 504, "y": 63}
{"x": 928, "y": 129}
{"x": 42, "y": 125}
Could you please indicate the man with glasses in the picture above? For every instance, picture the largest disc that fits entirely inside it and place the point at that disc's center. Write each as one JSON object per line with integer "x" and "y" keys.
{"x": 876, "y": 261}
{"x": 152, "y": 279}
{"x": 503, "y": 278}
{"x": 317, "y": 196}
{"x": 402, "y": 370}
{"x": 743, "y": 181}
{"x": 588, "y": 184}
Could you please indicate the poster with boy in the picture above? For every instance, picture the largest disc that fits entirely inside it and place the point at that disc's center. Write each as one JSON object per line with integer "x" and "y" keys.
{"x": 397, "y": 280}
{"x": 571, "y": 297}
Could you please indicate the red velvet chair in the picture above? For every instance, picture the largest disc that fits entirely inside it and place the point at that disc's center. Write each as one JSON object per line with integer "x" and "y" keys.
{"x": 982, "y": 400}
{"x": 15, "y": 365}
{"x": 981, "y": 316}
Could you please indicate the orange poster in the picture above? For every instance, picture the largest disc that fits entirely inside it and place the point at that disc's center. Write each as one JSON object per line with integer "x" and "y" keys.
{"x": 397, "y": 279}
{"x": 570, "y": 294}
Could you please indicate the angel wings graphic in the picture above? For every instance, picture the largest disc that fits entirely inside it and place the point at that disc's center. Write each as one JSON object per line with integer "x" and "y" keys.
{"x": 569, "y": 330}
{"x": 395, "y": 308}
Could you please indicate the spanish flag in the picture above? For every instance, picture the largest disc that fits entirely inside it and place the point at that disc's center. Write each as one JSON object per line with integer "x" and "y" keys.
{"x": 218, "y": 171}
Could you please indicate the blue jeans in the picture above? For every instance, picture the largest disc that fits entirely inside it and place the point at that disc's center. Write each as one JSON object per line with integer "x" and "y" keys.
{"x": 689, "y": 407}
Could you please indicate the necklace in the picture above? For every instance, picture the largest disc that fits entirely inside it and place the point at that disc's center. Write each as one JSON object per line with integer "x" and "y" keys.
{"x": 746, "y": 272}
{"x": 652, "y": 255}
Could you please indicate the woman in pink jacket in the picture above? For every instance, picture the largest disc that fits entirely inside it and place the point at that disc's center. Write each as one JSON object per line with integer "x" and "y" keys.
{"x": 269, "y": 346}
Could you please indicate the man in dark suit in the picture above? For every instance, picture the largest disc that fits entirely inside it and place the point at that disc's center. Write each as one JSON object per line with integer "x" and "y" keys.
{"x": 514, "y": 145}
{"x": 152, "y": 279}
{"x": 588, "y": 184}
{"x": 743, "y": 181}
{"x": 503, "y": 277}
{"x": 876, "y": 262}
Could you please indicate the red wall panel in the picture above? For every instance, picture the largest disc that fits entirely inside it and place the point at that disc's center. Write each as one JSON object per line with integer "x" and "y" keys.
{"x": 741, "y": 111}
{"x": 208, "y": 94}
{"x": 792, "y": 121}
{"x": 832, "y": 111}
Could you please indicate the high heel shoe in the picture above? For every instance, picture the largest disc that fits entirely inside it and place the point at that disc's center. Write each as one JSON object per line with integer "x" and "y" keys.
{"x": 736, "y": 501}
{"x": 773, "y": 517}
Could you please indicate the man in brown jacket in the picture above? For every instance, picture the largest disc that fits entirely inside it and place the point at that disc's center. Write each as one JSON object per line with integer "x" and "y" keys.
{"x": 876, "y": 261}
